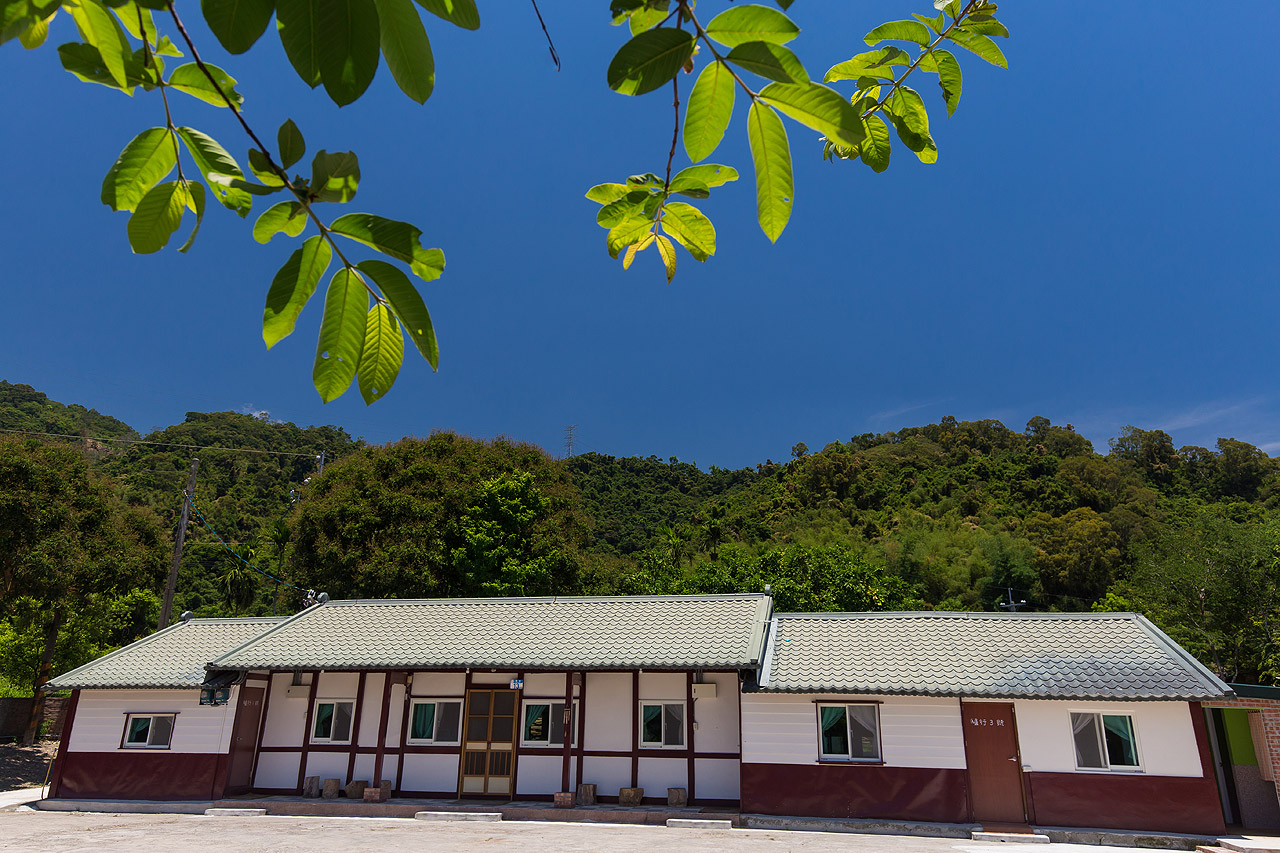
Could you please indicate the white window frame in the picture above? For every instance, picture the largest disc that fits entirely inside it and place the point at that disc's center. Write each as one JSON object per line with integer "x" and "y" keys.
{"x": 1106, "y": 754}
{"x": 552, "y": 701}
{"x": 847, "y": 756}
{"x": 665, "y": 703}
{"x": 128, "y": 723}
{"x": 415, "y": 701}
{"x": 315, "y": 715}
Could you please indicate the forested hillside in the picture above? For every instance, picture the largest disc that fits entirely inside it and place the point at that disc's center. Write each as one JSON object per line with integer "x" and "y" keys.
{"x": 954, "y": 515}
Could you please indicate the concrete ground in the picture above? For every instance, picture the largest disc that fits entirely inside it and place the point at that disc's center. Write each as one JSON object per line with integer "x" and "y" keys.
{"x": 67, "y": 832}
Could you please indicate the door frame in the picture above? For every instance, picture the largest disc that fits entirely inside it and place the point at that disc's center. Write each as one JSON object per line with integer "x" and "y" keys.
{"x": 510, "y": 750}
{"x": 1017, "y": 751}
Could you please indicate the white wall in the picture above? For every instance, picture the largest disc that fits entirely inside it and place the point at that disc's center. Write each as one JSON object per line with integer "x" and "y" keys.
{"x": 1166, "y": 738}
{"x": 338, "y": 685}
{"x": 277, "y": 770}
{"x": 100, "y": 718}
{"x": 915, "y": 731}
{"x": 429, "y": 773}
{"x": 717, "y": 719}
{"x": 656, "y": 775}
{"x": 541, "y": 774}
{"x": 663, "y": 685}
{"x": 716, "y": 778}
{"x": 370, "y": 710}
{"x": 609, "y": 775}
{"x": 609, "y": 715}
{"x": 444, "y": 684}
{"x": 286, "y": 718}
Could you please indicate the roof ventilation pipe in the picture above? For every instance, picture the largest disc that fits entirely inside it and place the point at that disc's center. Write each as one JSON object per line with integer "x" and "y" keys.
{"x": 186, "y": 617}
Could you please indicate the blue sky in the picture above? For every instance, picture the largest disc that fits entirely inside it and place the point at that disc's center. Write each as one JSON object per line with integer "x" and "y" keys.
{"x": 1095, "y": 244}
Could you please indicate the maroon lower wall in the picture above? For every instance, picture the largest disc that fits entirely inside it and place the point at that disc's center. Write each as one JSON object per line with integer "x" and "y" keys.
{"x": 855, "y": 791}
{"x": 139, "y": 775}
{"x": 1127, "y": 801}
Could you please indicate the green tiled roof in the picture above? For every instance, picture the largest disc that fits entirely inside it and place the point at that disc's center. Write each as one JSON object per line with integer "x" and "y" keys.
{"x": 657, "y": 632}
{"x": 174, "y": 657}
{"x": 1030, "y": 655}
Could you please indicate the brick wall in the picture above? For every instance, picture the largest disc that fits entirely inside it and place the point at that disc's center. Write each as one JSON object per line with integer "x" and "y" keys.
{"x": 16, "y": 712}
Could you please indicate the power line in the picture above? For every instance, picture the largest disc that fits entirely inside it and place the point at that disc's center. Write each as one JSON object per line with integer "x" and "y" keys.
{"x": 159, "y": 443}
{"x": 196, "y": 511}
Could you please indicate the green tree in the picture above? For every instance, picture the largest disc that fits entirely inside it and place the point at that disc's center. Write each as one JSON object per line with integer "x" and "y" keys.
{"x": 64, "y": 538}
{"x": 445, "y": 516}
{"x": 369, "y": 304}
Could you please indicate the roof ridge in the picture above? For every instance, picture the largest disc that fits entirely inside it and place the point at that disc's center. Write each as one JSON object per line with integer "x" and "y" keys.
{"x": 544, "y": 599}
{"x": 956, "y": 614}
{"x": 141, "y": 641}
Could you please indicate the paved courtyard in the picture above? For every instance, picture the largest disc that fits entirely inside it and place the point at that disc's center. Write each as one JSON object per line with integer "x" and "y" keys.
{"x": 67, "y": 832}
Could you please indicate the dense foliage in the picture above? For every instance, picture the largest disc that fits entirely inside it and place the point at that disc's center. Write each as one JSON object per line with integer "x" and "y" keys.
{"x": 953, "y": 515}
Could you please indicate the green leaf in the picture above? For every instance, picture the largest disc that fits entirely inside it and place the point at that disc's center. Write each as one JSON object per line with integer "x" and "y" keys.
{"x": 691, "y": 229}
{"x": 398, "y": 240}
{"x": 85, "y": 62}
{"x": 668, "y": 253}
{"x": 341, "y": 335}
{"x": 287, "y": 216}
{"x": 15, "y": 19}
{"x": 143, "y": 163}
{"x": 710, "y": 108}
{"x": 979, "y": 45}
{"x": 944, "y": 64}
{"x": 741, "y": 24}
{"x": 771, "y": 61}
{"x": 292, "y": 287}
{"x": 34, "y": 36}
{"x": 212, "y": 158}
{"x": 605, "y": 193}
{"x": 463, "y": 13}
{"x": 237, "y": 23}
{"x": 406, "y": 48}
{"x": 627, "y": 234}
{"x": 190, "y": 79}
{"x": 816, "y": 106}
{"x": 336, "y": 176}
{"x": 298, "y": 22}
{"x": 875, "y": 147}
{"x": 195, "y": 193}
{"x": 261, "y": 168}
{"x": 99, "y": 28}
{"x": 167, "y": 48}
{"x": 910, "y": 119}
{"x": 348, "y": 40}
{"x": 129, "y": 13}
{"x": 649, "y": 60}
{"x": 408, "y": 305}
{"x": 157, "y": 216}
{"x": 876, "y": 63}
{"x": 630, "y": 206}
{"x": 913, "y": 31}
{"x": 381, "y": 355}
{"x": 986, "y": 26}
{"x": 291, "y": 144}
{"x": 648, "y": 17}
{"x": 771, "y": 156}
{"x": 690, "y": 186}
{"x": 711, "y": 174}
{"x": 240, "y": 184}
{"x": 937, "y": 24}
{"x": 633, "y": 249}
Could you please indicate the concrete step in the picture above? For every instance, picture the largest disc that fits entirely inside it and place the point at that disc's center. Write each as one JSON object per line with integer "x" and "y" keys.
{"x": 1011, "y": 837}
{"x": 458, "y": 816}
{"x": 697, "y": 823}
{"x": 235, "y": 812}
{"x": 1251, "y": 844}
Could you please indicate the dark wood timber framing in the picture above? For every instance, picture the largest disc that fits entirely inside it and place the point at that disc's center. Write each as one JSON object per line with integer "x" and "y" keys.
{"x": 306, "y": 728}
{"x": 688, "y": 731}
{"x": 568, "y": 732}
{"x": 518, "y": 724}
{"x": 404, "y": 732}
{"x": 262, "y": 728}
{"x": 55, "y": 784}
{"x": 635, "y": 728}
{"x": 355, "y": 726}
{"x": 582, "y": 724}
{"x": 381, "y": 749}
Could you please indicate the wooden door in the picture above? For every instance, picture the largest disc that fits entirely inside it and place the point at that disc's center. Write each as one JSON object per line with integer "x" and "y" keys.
{"x": 244, "y": 739}
{"x": 489, "y": 734}
{"x": 995, "y": 767}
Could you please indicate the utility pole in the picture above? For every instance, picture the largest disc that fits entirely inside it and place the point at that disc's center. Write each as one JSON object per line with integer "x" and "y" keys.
{"x": 320, "y": 468}
{"x": 568, "y": 438}
{"x": 179, "y": 539}
{"x": 1011, "y": 604}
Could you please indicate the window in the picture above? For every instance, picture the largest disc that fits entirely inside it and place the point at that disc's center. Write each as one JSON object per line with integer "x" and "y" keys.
{"x": 148, "y": 731}
{"x": 1105, "y": 742}
{"x": 544, "y": 724}
{"x": 662, "y": 724}
{"x": 435, "y": 721}
{"x": 849, "y": 732}
{"x": 333, "y": 721}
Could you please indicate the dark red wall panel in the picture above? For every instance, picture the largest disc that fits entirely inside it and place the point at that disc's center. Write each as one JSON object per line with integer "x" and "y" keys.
{"x": 855, "y": 791}
{"x": 139, "y": 775}
{"x": 1127, "y": 801}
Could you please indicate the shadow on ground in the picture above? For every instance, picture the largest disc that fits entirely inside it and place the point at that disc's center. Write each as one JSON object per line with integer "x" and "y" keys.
{"x": 21, "y": 766}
